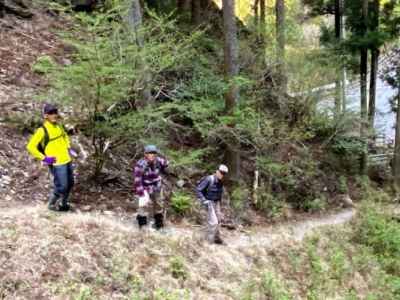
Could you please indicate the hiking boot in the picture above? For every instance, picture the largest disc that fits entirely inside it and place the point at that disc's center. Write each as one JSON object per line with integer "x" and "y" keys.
{"x": 142, "y": 221}
{"x": 219, "y": 241}
{"x": 158, "y": 221}
{"x": 65, "y": 207}
{"x": 52, "y": 207}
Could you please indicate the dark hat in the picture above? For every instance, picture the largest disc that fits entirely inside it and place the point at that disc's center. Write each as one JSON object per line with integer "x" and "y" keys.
{"x": 50, "y": 109}
{"x": 150, "y": 149}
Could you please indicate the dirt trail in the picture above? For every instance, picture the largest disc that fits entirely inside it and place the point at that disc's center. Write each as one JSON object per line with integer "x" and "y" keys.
{"x": 268, "y": 237}
{"x": 296, "y": 231}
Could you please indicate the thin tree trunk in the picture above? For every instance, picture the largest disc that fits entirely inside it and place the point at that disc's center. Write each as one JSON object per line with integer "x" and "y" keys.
{"x": 135, "y": 23}
{"x": 338, "y": 35}
{"x": 183, "y": 6}
{"x": 231, "y": 53}
{"x": 256, "y": 16}
{"x": 2, "y": 8}
{"x": 343, "y": 88}
{"x": 374, "y": 64}
{"x": 343, "y": 77}
{"x": 280, "y": 36}
{"x": 180, "y": 5}
{"x": 372, "y": 86}
{"x": 396, "y": 158}
{"x": 262, "y": 22}
{"x": 196, "y": 12}
{"x": 363, "y": 92}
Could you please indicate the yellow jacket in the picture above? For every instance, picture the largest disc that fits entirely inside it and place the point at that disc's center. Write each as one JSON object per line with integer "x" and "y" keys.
{"x": 57, "y": 147}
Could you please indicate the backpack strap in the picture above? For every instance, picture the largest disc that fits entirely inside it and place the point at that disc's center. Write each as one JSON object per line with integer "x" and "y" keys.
{"x": 46, "y": 138}
{"x": 210, "y": 179}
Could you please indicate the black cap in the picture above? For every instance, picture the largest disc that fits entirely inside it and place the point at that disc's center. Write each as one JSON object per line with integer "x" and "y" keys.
{"x": 50, "y": 109}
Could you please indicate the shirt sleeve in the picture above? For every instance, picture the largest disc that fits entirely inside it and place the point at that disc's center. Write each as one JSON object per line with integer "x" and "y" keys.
{"x": 164, "y": 163}
{"x": 34, "y": 141}
{"x": 138, "y": 181}
{"x": 201, "y": 188}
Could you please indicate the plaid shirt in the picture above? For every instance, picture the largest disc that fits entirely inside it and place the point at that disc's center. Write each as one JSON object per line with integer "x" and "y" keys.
{"x": 147, "y": 175}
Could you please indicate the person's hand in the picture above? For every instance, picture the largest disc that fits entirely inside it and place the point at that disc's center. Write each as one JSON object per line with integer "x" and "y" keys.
{"x": 72, "y": 153}
{"x": 49, "y": 160}
{"x": 143, "y": 200}
{"x": 206, "y": 203}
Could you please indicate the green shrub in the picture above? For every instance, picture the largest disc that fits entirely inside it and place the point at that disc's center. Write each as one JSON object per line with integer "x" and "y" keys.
{"x": 44, "y": 65}
{"x": 342, "y": 187}
{"x": 177, "y": 267}
{"x": 239, "y": 197}
{"x": 105, "y": 81}
{"x": 314, "y": 205}
{"x": 267, "y": 286}
{"x": 269, "y": 204}
{"x": 381, "y": 233}
{"x": 181, "y": 203}
{"x": 85, "y": 293}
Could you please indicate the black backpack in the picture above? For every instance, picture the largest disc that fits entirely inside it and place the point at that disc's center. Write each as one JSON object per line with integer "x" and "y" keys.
{"x": 46, "y": 139}
{"x": 43, "y": 143}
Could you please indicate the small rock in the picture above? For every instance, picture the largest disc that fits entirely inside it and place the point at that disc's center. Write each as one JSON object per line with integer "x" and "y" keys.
{"x": 6, "y": 179}
{"x": 66, "y": 62}
{"x": 86, "y": 207}
{"x": 180, "y": 183}
{"x": 346, "y": 200}
{"x": 8, "y": 198}
{"x": 108, "y": 212}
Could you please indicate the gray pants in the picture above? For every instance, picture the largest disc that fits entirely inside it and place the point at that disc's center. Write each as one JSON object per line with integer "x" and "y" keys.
{"x": 154, "y": 206}
{"x": 213, "y": 219}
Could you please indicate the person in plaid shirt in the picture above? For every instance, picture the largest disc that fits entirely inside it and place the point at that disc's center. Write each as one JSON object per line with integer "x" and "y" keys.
{"x": 148, "y": 186}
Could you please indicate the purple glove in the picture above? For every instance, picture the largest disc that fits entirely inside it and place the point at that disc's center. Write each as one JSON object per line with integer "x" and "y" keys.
{"x": 49, "y": 160}
{"x": 72, "y": 152}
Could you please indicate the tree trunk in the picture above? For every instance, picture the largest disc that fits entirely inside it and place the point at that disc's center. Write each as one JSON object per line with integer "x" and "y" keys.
{"x": 180, "y": 4}
{"x": 196, "y": 12}
{"x": 280, "y": 37}
{"x": 183, "y": 6}
{"x": 343, "y": 88}
{"x": 2, "y": 9}
{"x": 374, "y": 64}
{"x": 255, "y": 9}
{"x": 262, "y": 23}
{"x": 372, "y": 86}
{"x": 339, "y": 37}
{"x": 363, "y": 92}
{"x": 396, "y": 158}
{"x": 343, "y": 77}
{"x": 231, "y": 52}
{"x": 135, "y": 24}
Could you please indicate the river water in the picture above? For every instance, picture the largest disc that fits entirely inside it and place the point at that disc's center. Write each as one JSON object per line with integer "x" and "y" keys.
{"x": 385, "y": 118}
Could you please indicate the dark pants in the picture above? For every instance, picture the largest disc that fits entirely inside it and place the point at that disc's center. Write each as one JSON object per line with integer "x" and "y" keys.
{"x": 63, "y": 180}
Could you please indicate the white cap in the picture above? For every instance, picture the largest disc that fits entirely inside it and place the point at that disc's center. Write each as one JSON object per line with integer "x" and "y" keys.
{"x": 223, "y": 168}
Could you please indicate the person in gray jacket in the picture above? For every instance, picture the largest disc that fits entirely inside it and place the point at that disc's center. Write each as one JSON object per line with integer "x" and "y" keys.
{"x": 209, "y": 192}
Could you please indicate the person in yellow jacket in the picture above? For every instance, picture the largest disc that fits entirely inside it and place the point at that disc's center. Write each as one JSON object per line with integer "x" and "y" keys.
{"x": 50, "y": 144}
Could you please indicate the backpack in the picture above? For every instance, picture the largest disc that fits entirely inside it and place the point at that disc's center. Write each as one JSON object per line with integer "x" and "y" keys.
{"x": 43, "y": 143}
{"x": 41, "y": 147}
{"x": 205, "y": 178}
